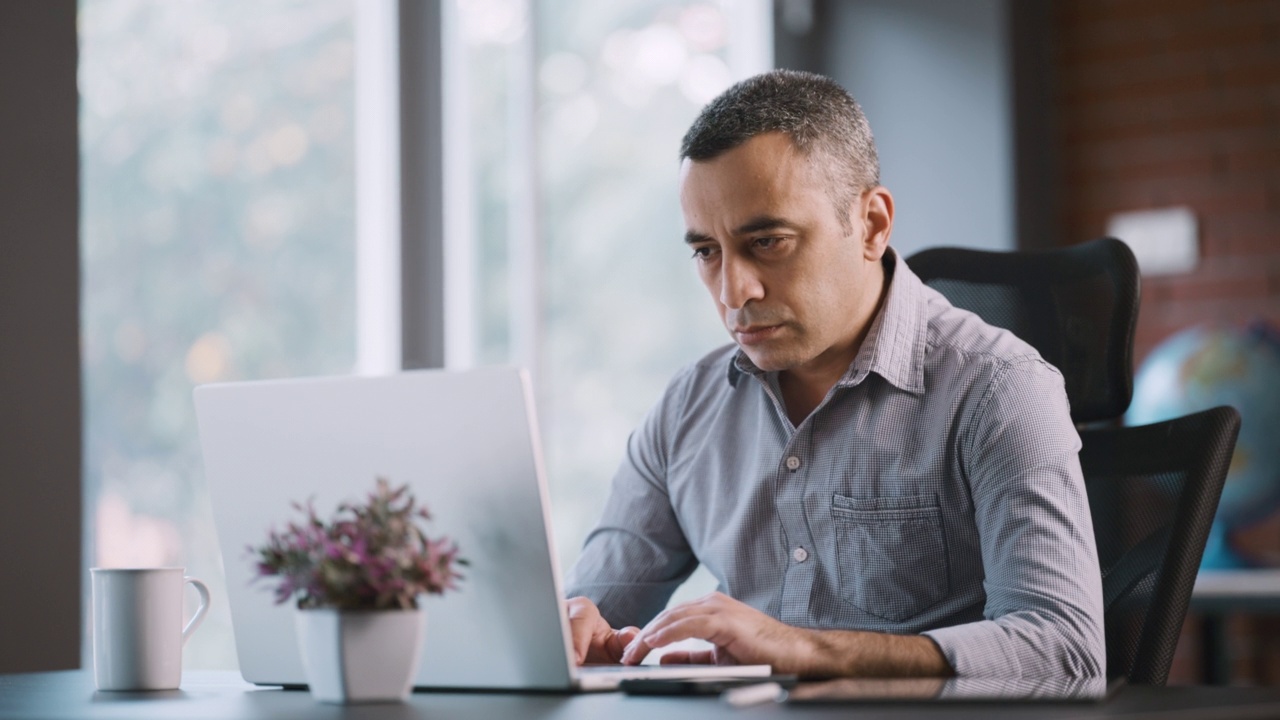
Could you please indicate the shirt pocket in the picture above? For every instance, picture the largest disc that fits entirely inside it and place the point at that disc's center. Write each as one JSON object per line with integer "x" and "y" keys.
{"x": 891, "y": 554}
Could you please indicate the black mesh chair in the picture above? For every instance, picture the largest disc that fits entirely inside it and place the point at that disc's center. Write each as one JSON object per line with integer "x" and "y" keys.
{"x": 1078, "y": 306}
{"x": 1153, "y": 490}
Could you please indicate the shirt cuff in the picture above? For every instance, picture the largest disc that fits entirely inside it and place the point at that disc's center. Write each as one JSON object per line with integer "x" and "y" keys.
{"x": 977, "y": 649}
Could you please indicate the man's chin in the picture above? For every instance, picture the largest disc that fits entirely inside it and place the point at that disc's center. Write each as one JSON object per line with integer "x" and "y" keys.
{"x": 769, "y": 361}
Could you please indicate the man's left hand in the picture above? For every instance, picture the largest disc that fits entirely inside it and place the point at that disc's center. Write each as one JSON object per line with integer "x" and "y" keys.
{"x": 741, "y": 635}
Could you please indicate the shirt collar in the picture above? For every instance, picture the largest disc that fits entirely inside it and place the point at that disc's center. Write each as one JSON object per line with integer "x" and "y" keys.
{"x": 895, "y": 345}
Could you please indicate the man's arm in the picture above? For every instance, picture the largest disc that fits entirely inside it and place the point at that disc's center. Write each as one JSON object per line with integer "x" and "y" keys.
{"x": 637, "y": 555}
{"x": 743, "y": 635}
{"x": 1043, "y": 613}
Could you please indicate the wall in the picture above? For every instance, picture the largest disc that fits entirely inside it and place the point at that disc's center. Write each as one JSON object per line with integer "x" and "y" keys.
{"x": 934, "y": 79}
{"x": 1177, "y": 102}
{"x": 40, "y": 510}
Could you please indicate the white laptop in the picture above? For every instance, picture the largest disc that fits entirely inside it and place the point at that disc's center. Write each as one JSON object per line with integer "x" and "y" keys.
{"x": 467, "y": 445}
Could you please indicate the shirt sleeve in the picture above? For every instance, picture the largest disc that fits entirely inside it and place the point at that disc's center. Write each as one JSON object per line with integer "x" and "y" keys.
{"x": 637, "y": 555}
{"x": 1043, "y": 613}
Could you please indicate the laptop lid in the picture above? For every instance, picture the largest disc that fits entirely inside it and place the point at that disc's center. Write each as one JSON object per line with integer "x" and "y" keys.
{"x": 466, "y": 444}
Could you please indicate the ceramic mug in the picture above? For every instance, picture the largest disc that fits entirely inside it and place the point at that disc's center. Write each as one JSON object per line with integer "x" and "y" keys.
{"x": 137, "y": 627}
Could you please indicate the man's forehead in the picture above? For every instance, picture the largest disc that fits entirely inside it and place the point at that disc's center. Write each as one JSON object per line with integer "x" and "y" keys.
{"x": 754, "y": 179}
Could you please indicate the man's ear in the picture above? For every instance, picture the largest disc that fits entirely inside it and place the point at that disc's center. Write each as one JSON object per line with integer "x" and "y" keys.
{"x": 877, "y": 220}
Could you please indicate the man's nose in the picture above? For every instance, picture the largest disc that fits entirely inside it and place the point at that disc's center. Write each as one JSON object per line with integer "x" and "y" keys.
{"x": 739, "y": 283}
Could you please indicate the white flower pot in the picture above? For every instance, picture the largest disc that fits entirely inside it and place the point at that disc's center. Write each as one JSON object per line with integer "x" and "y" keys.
{"x": 360, "y": 656}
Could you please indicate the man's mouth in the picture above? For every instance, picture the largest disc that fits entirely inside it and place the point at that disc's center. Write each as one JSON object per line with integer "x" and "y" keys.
{"x": 755, "y": 334}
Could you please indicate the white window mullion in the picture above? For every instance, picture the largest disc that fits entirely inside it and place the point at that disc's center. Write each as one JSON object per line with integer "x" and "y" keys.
{"x": 750, "y": 49}
{"x": 524, "y": 257}
{"x": 377, "y": 144}
{"x": 458, "y": 196}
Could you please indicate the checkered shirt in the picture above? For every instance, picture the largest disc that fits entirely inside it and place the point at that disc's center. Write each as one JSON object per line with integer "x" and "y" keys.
{"x": 936, "y": 489}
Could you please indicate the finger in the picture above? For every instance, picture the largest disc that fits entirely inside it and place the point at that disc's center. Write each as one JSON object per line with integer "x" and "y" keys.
{"x": 617, "y": 642}
{"x": 674, "y": 614}
{"x": 583, "y": 620}
{"x": 702, "y": 627}
{"x": 580, "y": 630}
{"x": 636, "y": 651}
{"x": 701, "y": 605}
{"x": 699, "y": 626}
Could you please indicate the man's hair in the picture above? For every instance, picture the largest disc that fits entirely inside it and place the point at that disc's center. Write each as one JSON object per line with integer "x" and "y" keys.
{"x": 820, "y": 117}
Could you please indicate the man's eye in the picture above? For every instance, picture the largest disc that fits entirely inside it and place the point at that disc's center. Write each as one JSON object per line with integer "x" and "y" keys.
{"x": 766, "y": 243}
{"x": 701, "y": 253}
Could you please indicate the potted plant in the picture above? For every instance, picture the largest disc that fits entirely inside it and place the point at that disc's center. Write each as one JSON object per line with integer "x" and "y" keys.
{"x": 357, "y": 578}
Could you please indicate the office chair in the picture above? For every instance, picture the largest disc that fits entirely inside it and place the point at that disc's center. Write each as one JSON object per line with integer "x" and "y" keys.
{"x": 1078, "y": 306}
{"x": 1153, "y": 490}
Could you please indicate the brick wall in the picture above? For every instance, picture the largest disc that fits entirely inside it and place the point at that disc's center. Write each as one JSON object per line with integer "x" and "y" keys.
{"x": 1177, "y": 102}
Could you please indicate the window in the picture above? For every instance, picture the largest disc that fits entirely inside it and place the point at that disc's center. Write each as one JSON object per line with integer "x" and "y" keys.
{"x": 577, "y": 109}
{"x": 217, "y": 243}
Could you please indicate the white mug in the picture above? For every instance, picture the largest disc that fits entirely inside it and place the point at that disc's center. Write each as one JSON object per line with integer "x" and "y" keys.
{"x": 137, "y": 627}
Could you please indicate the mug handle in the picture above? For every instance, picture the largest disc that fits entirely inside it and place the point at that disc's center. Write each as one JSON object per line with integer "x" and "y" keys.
{"x": 198, "y": 618}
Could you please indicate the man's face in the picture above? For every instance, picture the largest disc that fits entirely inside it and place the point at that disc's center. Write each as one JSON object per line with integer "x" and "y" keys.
{"x": 791, "y": 285}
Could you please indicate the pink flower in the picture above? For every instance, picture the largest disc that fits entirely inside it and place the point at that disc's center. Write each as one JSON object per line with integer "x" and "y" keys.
{"x": 375, "y": 555}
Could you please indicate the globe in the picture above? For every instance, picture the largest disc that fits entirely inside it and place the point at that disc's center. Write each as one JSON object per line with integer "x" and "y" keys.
{"x": 1204, "y": 367}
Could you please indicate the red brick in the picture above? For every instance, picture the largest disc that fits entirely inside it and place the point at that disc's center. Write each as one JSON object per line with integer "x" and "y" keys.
{"x": 1254, "y": 159}
{"x": 1199, "y": 164}
{"x": 1250, "y": 283}
{"x": 1241, "y": 234}
{"x": 1234, "y": 311}
{"x": 1145, "y": 75}
{"x": 1204, "y": 196}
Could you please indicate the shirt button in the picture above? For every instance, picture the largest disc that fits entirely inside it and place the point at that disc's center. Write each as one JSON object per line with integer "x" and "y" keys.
{"x": 800, "y": 554}
{"x": 793, "y": 463}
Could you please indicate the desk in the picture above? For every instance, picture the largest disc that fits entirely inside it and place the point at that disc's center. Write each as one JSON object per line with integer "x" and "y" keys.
{"x": 1219, "y": 593}
{"x": 70, "y": 694}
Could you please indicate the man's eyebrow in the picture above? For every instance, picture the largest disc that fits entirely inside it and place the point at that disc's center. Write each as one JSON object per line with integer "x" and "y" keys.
{"x": 763, "y": 222}
{"x": 756, "y": 224}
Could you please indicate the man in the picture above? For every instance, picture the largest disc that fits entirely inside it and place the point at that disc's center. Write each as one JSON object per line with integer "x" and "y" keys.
{"x": 883, "y": 484}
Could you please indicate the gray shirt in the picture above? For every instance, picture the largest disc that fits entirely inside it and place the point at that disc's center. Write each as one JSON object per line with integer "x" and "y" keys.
{"x": 936, "y": 489}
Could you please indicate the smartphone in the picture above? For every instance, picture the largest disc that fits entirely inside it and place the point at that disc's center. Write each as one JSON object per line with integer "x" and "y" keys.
{"x": 708, "y": 686}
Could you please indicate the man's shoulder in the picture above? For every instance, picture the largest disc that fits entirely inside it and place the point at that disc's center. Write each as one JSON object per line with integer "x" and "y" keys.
{"x": 957, "y": 335}
{"x": 715, "y": 361}
{"x": 708, "y": 375}
{"x": 709, "y": 372}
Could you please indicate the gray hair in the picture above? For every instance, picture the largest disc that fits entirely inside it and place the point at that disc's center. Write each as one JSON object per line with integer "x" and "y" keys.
{"x": 813, "y": 111}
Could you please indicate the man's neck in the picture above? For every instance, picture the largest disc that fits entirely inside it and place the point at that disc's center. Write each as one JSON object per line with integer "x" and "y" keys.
{"x": 806, "y": 386}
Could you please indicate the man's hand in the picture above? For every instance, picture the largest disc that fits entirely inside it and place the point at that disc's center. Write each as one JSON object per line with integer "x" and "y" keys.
{"x": 741, "y": 634}
{"x": 593, "y": 640}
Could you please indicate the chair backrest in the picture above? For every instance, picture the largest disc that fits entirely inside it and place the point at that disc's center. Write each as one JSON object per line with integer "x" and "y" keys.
{"x": 1078, "y": 306}
{"x": 1153, "y": 491}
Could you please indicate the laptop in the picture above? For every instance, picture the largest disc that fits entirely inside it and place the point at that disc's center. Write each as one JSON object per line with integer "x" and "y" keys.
{"x": 467, "y": 445}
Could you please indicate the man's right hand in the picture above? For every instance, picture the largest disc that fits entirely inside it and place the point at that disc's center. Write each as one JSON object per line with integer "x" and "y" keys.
{"x": 593, "y": 640}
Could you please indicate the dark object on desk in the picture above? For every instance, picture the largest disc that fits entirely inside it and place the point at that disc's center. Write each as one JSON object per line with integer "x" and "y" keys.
{"x": 1153, "y": 491}
{"x": 956, "y": 690}
{"x": 1078, "y": 306}
{"x": 698, "y": 687}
